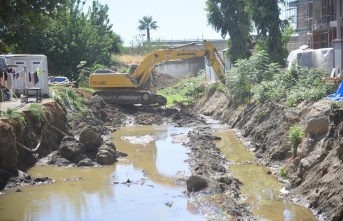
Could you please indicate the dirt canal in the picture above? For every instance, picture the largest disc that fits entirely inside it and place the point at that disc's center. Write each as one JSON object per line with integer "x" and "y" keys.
{"x": 143, "y": 186}
{"x": 149, "y": 184}
{"x": 260, "y": 189}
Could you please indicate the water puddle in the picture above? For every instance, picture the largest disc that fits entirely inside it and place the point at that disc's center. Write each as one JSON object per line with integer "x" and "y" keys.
{"x": 144, "y": 185}
{"x": 139, "y": 187}
{"x": 261, "y": 190}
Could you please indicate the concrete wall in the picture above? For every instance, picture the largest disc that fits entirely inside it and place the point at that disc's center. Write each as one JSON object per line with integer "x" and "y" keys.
{"x": 180, "y": 68}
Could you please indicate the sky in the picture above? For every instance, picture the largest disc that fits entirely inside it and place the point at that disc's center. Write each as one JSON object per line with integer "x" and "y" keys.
{"x": 177, "y": 19}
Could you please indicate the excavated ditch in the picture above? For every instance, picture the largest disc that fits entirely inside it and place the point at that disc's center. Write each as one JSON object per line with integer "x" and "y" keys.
{"x": 86, "y": 142}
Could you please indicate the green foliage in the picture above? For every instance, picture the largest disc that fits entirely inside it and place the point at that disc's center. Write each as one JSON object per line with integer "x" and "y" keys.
{"x": 266, "y": 18}
{"x": 16, "y": 116}
{"x": 83, "y": 76}
{"x": 295, "y": 85}
{"x": 37, "y": 113}
{"x": 246, "y": 74}
{"x": 186, "y": 90}
{"x": 74, "y": 103}
{"x": 237, "y": 17}
{"x": 283, "y": 172}
{"x": 336, "y": 104}
{"x": 147, "y": 24}
{"x": 295, "y": 136}
{"x": 231, "y": 17}
{"x": 69, "y": 37}
{"x": 262, "y": 114}
{"x": 217, "y": 86}
{"x": 20, "y": 19}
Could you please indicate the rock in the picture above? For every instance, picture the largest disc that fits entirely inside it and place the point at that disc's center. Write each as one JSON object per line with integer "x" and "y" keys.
{"x": 318, "y": 118}
{"x": 103, "y": 115}
{"x": 196, "y": 183}
{"x": 305, "y": 147}
{"x": 338, "y": 215}
{"x": 121, "y": 154}
{"x": 317, "y": 126}
{"x": 90, "y": 138}
{"x": 86, "y": 163}
{"x": 109, "y": 146}
{"x": 105, "y": 157}
{"x": 78, "y": 158}
{"x": 70, "y": 148}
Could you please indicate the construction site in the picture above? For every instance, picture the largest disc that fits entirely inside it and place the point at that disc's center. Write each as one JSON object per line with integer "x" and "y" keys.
{"x": 182, "y": 135}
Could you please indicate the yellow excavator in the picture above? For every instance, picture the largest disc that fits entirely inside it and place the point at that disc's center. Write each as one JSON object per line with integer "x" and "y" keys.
{"x": 119, "y": 88}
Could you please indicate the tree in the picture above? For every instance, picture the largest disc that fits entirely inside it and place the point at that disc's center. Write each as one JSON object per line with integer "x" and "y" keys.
{"x": 237, "y": 17}
{"x": 147, "y": 24}
{"x": 266, "y": 17}
{"x": 18, "y": 17}
{"x": 230, "y": 17}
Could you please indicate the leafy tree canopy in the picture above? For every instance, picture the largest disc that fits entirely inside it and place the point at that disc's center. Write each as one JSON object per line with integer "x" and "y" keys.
{"x": 238, "y": 18}
{"x": 18, "y": 16}
{"x": 69, "y": 37}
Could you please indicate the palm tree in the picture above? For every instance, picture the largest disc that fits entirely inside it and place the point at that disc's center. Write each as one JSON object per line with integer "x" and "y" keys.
{"x": 147, "y": 24}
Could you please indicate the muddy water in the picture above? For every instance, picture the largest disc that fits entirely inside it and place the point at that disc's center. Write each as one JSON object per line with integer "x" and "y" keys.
{"x": 259, "y": 189}
{"x": 153, "y": 165}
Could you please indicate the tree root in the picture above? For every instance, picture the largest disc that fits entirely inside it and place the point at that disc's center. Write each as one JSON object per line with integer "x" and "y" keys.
{"x": 32, "y": 150}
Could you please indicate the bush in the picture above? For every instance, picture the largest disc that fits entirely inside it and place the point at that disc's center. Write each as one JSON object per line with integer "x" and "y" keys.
{"x": 295, "y": 85}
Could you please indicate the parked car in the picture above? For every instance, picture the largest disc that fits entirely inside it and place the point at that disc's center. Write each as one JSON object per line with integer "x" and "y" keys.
{"x": 60, "y": 80}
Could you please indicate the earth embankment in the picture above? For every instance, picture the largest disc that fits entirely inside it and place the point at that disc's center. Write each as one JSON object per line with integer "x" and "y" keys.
{"x": 314, "y": 174}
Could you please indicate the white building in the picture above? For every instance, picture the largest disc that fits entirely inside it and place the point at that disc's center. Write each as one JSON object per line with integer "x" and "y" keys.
{"x": 31, "y": 63}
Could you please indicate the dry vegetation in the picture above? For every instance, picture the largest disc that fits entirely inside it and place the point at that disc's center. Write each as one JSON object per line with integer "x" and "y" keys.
{"x": 130, "y": 59}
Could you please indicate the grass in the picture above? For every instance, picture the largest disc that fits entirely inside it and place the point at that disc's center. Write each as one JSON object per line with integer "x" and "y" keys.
{"x": 283, "y": 172}
{"x": 37, "y": 113}
{"x": 72, "y": 101}
{"x": 16, "y": 116}
{"x": 190, "y": 89}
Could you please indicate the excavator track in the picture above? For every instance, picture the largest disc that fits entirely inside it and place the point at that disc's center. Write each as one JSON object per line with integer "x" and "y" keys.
{"x": 131, "y": 97}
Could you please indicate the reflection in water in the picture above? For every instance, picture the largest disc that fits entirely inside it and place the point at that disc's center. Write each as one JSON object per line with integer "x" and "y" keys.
{"x": 95, "y": 197}
{"x": 262, "y": 189}
{"x": 160, "y": 158}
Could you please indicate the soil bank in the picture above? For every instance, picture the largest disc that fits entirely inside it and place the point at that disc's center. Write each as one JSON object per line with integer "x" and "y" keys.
{"x": 315, "y": 174}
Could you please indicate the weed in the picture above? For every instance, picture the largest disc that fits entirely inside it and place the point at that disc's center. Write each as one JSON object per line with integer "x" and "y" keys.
{"x": 283, "y": 172}
{"x": 72, "y": 101}
{"x": 294, "y": 138}
{"x": 262, "y": 114}
{"x": 336, "y": 104}
{"x": 37, "y": 113}
{"x": 16, "y": 116}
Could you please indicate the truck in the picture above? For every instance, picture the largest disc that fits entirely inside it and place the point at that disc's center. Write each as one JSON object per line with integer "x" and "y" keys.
{"x": 121, "y": 88}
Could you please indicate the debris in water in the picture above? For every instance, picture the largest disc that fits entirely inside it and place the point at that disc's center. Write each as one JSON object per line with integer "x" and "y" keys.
{"x": 144, "y": 139}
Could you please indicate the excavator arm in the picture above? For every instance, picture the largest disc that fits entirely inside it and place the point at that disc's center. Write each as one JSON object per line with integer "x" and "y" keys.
{"x": 145, "y": 69}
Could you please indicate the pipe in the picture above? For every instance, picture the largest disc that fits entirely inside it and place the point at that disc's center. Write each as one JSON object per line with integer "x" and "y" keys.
{"x": 338, "y": 19}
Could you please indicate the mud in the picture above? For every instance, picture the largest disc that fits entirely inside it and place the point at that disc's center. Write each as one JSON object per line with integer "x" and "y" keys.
{"x": 314, "y": 174}
{"x": 208, "y": 162}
